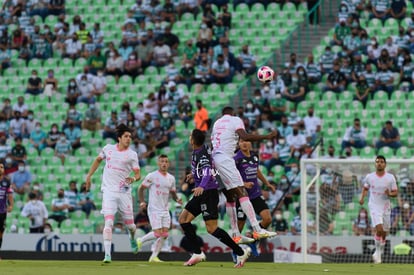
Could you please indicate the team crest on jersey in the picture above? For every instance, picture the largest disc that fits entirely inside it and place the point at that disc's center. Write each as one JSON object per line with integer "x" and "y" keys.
{"x": 255, "y": 158}
{"x": 4, "y": 184}
{"x": 203, "y": 207}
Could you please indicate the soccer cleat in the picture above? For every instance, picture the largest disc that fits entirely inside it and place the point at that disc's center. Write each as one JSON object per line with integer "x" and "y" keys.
{"x": 243, "y": 258}
{"x": 107, "y": 260}
{"x": 242, "y": 239}
{"x": 155, "y": 260}
{"x": 139, "y": 243}
{"x": 376, "y": 257}
{"x": 195, "y": 259}
{"x": 262, "y": 234}
{"x": 134, "y": 246}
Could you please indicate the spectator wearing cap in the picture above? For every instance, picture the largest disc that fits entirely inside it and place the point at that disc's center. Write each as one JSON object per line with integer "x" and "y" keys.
{"x": 355, "y": 136}
{"x": 174, "y": 96}
{"x": 389, "y": 137}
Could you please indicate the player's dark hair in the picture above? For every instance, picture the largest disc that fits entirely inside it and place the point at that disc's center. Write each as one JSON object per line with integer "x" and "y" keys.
{"x": 198, "y": 137}
{"x": 227, "y": 110}
{"x": 162, "y": 156}
{"x": 381, "y": 157}
{"x": 121, "y": 129}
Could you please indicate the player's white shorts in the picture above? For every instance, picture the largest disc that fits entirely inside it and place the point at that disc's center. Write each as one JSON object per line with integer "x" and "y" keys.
{"x": 227, "y": 171}
{"x": 113, "y": 202}
{"x": 380, "y": 216}
{"x": 159, "y": 219}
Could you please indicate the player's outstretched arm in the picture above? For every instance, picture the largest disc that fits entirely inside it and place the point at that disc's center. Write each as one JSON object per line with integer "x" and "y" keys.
{"x": 253, "y": 137}
{"x": 94, "y": 166}
{"x": 141, "y": 196}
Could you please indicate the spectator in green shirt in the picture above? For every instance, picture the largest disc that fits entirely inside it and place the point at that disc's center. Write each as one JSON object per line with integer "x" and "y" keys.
{"x": 96, "y": 62}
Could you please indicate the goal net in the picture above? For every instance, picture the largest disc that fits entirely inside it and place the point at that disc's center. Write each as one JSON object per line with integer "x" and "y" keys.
{"x": 333, "y": 222}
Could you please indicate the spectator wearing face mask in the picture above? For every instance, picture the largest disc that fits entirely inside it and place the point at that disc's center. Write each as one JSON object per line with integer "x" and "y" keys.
{"x": 10, "y": 166}
{"x": 279, "y": 223}
{"x": 280, "y": 154}
{"x": 185, "y": 110}
{"x": 92, "y": 118}
{"x": 293, "y": 117}
{"x": 99, "y": 83}
{"x": 114, "y": 64}
{"x": 87, "y": 91}
{"x": 34, "y": 84}
{"x": 361, "y": 225}
{"x": 187, "y": 74}
{"x": 313, "y": 125}
{"x": 21, "y": 180}
{"x": 355, "y": 136}
{"x": 38, "y": 138}
{"x": 53, "y": 136}
{"x": 167, "y": 123}
{"x": 72, "y": 92}
{"x": 284, "y": 129}
{"x": 60, "y": 207}
{"x": 294, "y": 158}
{"x": 73, "y": 134}
{"x": 296, "y": 140}
{"x": 63, "y": 148}
{"x": 252, "y": 113}
{"x": 73, "y": 116}
{"x": 294, "y": 178}
{"x": 37, "y": 212}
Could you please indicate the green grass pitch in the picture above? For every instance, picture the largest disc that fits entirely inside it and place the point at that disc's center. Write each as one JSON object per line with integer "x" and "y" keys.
{"x": 21, "y": 267}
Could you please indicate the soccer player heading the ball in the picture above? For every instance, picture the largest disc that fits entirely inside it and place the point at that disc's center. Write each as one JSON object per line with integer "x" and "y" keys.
{"x": 225, "y": 135}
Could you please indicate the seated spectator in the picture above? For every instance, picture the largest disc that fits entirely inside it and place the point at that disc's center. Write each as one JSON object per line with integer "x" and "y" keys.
{"x": 7, "y": 109}
{"x": 21, "y": 180}
{"x": 72, "y": 196}
{"x": 92, "y": 118}
{"x": 73, "y": 115}
{"x": 17, "y": 126}
{"x": 38, "y": 138}
{"x": 132, "y": 66}
{"x": 398, "y": 9}
{"x": 389, "y": 137}
{"x": 185, "y": 110}
{"x": 88, "y": 49}
{"x": 53, "y": 136}
{"x": 114, "y": 64}
{"x": 171, "y": 40}
{"x": 96, "y": 61}
{"x": 85, "y": 200}
{"x": 109, "y": 130}
{"x": 10, "y": 166}
{"x": 37, "y": 212}
{"x": 336, "y": 81}
{"x": 161, "y": 53}
{"x": 248, "y": 61}
{"x": 144, "y": 51}
{"x": 384, "y": 80}
{"x": 34, "y": 84}
{"x": 56, "y": 7}
{"x": 21, "y": 107}
{"x": 187, "y": 74}
{"x": 380, "y": 10}
{"x": 60, "y": 207}
{"x": 50, "y": 84}
{"x": 73, "y": 134}
{"x": 87, "y": 91}
{"x": 72, "y": 47}
{"x": 220, "y": 71}
{"x": 144, "y": 153}
{"x": 63, "y": 148}
{"x": 4, "y": 126}
{"x": 296, "y": 140}
{"x": 361, "y": 225}
{"x": 362, "y": 91}
{"x": 159, "y": 135}
{"x": 326, "y": 60}
{"x": 72, "y": 93}
{"x": 355, "y": 136}
{"x": 279, "y": 224}
{"x": 5, "y": 148}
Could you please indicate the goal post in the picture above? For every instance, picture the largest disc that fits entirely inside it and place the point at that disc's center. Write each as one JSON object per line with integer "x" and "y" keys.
{"x": 337, "y": 217}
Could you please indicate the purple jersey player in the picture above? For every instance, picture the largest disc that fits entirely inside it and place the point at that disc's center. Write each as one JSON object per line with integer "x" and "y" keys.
{"x": 6, "y": 200}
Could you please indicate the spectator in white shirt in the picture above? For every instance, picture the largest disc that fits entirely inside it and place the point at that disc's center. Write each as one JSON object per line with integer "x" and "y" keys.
{"x": 312, "y": 124}
{"x": 73, "y": 47}
{"x": 21, "y": 106}
{"x": 355, "y": 136}
{"x": 36, "y": 211}
{"x": 296, "y": 140}
{"x": 99, "y": 83}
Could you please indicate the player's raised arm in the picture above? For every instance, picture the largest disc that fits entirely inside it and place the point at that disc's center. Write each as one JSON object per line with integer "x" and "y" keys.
{"x": 253, "y": 137}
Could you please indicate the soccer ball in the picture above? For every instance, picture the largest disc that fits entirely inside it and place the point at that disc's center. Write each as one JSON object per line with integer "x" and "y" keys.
{"x": 265, "y": 74}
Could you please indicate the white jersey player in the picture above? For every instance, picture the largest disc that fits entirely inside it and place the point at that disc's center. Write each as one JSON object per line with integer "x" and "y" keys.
{"x": 381, "y": 186}
{"x": 225, "y": 136}
{"x": 160, "y": 185}
{"x": 120, "y": 162}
